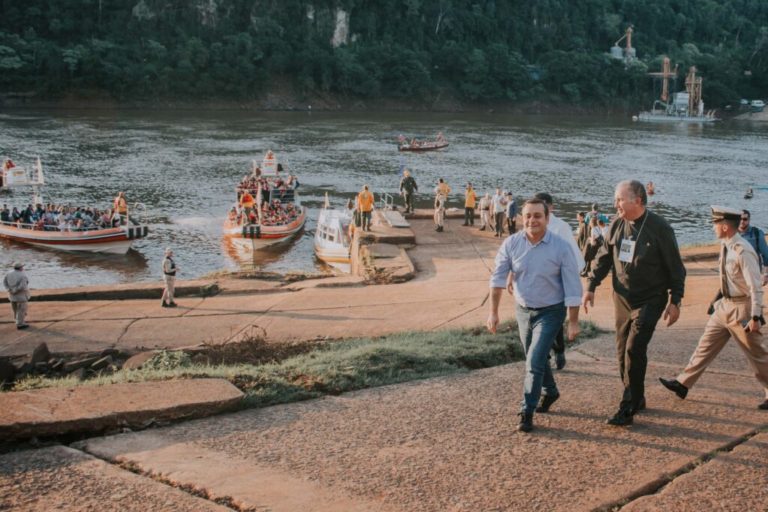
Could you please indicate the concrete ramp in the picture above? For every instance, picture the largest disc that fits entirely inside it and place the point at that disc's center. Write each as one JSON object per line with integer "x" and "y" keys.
{"x": 395, "y": 219}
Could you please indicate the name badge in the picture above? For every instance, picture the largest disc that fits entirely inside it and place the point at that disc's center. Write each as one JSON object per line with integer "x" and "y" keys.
{"x": 627, "y": 250}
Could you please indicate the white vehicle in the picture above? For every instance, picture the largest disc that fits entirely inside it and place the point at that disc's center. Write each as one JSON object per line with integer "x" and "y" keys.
{"x": 757, "y": 105}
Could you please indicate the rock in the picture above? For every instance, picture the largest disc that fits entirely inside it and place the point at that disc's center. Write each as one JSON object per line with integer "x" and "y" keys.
{"x": 57, "y": 365}
{"x": 80, "y": 363}
{"x": 80, "y": 373}
{"x": 41, "y": 354}
{"x": 137, "y": 361}
{"x": 42, "y": 367}
{"x": 101, "y": 363}
{"x": 7, "y": 372}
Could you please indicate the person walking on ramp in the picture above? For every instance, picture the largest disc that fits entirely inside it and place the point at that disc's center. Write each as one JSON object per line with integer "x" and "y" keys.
{"x": 545, "y": 283}
{"x": 648, "y": 281}
{"x": 738, "y": 314}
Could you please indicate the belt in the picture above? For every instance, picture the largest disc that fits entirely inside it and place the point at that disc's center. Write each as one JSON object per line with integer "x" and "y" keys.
{"x": 739, "y": 299}
{"x": 170, "y": 273}
{"x": 559, "y": 304}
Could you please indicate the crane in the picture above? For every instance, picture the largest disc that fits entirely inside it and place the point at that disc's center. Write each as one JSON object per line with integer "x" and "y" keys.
{"x": 665, "y": 75}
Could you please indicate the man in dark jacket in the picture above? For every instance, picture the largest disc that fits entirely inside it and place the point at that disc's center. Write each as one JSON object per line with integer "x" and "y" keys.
{"x": 408, "y": 188}
{"x": 648, "y": 281}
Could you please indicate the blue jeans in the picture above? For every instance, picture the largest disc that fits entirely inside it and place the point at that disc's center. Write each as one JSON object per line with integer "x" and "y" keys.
{"x": 538, "y": 329}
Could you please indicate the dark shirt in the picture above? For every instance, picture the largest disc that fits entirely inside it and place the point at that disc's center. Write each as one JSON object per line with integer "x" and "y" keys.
{"x": 408, "y": 184}
{"x": 656, "y": 268}
{"x": 5, "y": 216}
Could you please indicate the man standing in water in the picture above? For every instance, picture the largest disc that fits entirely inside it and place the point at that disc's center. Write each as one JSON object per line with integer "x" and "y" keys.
{"x": 545, "y": 281}
{"x": 648, "y": 281}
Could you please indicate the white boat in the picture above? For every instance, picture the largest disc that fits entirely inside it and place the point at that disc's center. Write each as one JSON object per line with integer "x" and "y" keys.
{"x": 279, "y": 223}
{"x": 332, "y": 241}
{"x": 112, "y": 240}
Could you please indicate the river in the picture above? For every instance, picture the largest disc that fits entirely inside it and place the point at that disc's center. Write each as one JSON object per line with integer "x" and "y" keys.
{"x": 183, "y": 167}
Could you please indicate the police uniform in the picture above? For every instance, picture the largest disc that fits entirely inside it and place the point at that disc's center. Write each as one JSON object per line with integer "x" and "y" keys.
{"x": 741, "y": 288}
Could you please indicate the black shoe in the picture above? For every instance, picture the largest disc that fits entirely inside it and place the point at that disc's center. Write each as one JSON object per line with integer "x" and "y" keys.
{"x": 465, "y": 224}
{"x": 672, "y": 385}
{"x": 173, "y": 305}
{"x": 526, "y": 422}
{"x": 764, "y": 405}
{"x": 163, "y": 304}
{"x": 560, "y": 360}
{"x": 622, "y": 418}
{"x": 482, "y": 229}
{"x": 546, "y": 402}
{"x": 22, "y": 326}
{"x": 640, "y": 406}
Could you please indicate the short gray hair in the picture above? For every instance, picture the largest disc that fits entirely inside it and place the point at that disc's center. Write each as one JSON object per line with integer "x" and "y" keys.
{"x": 636, "y": 188}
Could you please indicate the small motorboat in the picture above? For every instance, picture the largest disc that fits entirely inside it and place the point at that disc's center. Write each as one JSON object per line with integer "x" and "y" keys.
{"x": 417, "y": 145}
{"x": 272, "y": 213}
{"x": 113, "y": 238}
{"x": 749, "y": 194}
{"x": 332, "y": 240}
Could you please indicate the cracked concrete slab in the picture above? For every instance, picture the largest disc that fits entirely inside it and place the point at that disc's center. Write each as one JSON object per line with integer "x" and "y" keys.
{"x": 732, "y": 481}
{"x": 60, "y": 478}
{"x": 93, "y": 409}
{"x": 450, "y": 443}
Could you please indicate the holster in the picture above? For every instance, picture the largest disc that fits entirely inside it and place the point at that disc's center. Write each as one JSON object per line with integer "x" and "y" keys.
{"x": 711, "y": 308}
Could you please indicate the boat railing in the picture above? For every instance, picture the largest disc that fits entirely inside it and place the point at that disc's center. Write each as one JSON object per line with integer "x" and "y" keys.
{"x": 52, "y": 227}
{"x": 387, "y": 201}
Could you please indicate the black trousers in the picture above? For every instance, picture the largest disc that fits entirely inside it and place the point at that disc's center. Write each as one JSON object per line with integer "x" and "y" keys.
{"x": 499, "y": 223}
{"x": 408, "y": 196}
{"x": 634, "y": 329}
{"x": 469, "y": 216}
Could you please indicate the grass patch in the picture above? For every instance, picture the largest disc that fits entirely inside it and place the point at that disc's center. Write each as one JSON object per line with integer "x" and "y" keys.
{"x": 333, "y": 367}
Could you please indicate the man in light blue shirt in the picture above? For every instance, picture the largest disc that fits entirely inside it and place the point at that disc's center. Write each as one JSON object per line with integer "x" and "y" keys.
{"x": 545, "y": 282}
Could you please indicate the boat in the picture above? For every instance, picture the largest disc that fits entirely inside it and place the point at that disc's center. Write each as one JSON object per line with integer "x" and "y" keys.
{"x": 113, "y": 239}
{"x": 280, "y": 215}
{"x": 332, "y": 240}
{"x": 749, "y": 194}
{"x": 684, "y": 107}
{"x": 416, "y": 145}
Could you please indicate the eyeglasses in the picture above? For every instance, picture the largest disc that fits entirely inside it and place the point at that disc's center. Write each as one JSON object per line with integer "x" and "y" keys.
{"x": 745, "y": 219}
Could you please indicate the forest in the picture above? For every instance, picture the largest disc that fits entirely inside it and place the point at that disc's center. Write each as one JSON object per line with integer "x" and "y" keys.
{"x": 482, "y": 52}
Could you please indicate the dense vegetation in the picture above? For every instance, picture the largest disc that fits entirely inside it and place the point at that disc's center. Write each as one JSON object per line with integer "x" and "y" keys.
{"x": 486, "y": 50}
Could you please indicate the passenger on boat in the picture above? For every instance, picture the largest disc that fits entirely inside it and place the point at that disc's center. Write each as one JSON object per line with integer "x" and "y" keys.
{"x": 121, "y": 207}
{"x": 247, "y": 202}
{"x": 650, "y": 188}
{"x": 293, "y": 182}
{"x": 8, "y": 164}
{"x": 5, "y": 214}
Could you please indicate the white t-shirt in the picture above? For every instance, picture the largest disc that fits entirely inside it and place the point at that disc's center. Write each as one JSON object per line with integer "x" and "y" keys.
{"x": 563, "y": 230}
{"x": 499, "y": 203}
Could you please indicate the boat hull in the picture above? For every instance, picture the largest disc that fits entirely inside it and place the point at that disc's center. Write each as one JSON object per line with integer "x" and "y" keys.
{"x": 110, "y": 241}
{"x": 260, "y": 237}
{"x": 420, "y": 149}
{"x": 649, "y": 117}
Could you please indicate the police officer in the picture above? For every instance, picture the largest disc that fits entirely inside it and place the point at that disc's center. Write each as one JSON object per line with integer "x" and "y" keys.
{"x": 738, "y": 314}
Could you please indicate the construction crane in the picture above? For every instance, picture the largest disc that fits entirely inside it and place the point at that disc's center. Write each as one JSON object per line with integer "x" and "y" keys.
{"x": 628, "y": 53}
{"x": 693, "y": 86}
{"x": 665, "y": 75}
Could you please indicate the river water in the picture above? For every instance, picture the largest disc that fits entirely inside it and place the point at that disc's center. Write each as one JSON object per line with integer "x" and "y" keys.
{"x": 183, "y": 167}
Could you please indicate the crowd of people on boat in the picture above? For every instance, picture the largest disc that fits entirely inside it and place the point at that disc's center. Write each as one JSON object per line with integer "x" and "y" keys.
{"x": 52, "y": 217}
{"x": 265, "y": 200}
